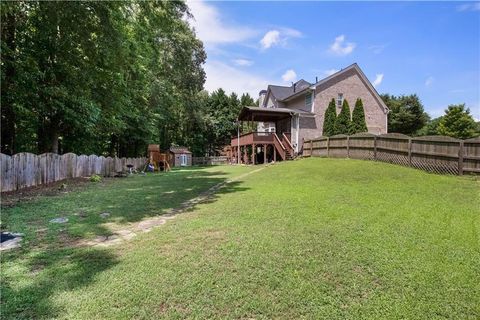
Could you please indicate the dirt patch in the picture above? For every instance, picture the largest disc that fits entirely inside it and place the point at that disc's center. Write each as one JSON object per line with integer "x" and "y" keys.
{"x": 11, "y": 198}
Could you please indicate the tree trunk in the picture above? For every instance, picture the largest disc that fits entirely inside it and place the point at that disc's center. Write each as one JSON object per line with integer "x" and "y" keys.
{"x": 8, "y": 118}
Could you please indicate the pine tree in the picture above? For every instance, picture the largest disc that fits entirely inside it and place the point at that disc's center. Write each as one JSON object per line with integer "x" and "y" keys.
{"x": 358, "y": 118}
{"x": 342, "y": 123}
{"x": 329, "y": 120}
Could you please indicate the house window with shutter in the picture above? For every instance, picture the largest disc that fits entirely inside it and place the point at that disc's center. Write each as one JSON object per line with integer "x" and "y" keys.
{"x": 339, "y": 99}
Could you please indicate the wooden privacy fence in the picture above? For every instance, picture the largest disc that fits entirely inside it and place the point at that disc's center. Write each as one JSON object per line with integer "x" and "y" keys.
{"x": 437, "y": 154}
{"x": 210, "y": 160}
{"x": 26, "y": 169}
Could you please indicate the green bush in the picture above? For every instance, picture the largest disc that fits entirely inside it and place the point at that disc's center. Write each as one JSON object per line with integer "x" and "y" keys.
{"x": 342, "y": 123}
{"x": 329, "y": 120}
{"x": 358, "y": 118}
{"x": 95, "y": 178}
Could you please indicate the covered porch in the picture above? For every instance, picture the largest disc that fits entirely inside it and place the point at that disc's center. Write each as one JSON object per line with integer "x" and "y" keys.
{"x": 265, "y": 146}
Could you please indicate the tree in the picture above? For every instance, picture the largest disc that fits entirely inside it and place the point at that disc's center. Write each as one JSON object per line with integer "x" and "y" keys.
{"x": 406, "y": 113}
{"x": 457, "y": 122}
{"x": 358, "y": 118}
{"x": 431, "y": 128}
{"x": 342, "y": 123}
{"x": 329, "y": 119}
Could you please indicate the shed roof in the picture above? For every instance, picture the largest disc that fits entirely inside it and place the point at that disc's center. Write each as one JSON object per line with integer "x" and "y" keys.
{"x": 179, "y": 150}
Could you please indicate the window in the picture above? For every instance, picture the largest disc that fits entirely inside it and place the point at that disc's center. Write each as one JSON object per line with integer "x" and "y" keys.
{"x": 183, "y": 160}
{"x": 308, "y": 102}
{"x": 339, "y": 99}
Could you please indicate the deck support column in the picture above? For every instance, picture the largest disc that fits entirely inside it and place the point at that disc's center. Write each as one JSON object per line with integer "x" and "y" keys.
{"x": 264, "y": 154}
{"x": 253, "y": 154}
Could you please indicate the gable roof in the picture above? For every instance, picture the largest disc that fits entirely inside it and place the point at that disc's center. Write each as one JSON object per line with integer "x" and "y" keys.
{"x": 282, "y": 93}
{"x": 364, "y": 79}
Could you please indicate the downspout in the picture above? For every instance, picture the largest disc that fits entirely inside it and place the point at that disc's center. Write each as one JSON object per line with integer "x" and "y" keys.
{"x": 298, "y": 128}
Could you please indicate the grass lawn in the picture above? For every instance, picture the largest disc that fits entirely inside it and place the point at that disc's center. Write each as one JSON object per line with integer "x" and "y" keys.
{"x": 316, "y": 238}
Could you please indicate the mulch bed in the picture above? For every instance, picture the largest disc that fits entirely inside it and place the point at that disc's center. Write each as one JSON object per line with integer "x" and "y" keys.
{"x": 11, "y": 198}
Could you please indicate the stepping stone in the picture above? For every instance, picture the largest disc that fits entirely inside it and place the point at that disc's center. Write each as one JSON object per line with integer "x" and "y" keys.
{"x": 59, "y": 220}
{"x": 104, "y": 215}
{"x": 10, "y": 240}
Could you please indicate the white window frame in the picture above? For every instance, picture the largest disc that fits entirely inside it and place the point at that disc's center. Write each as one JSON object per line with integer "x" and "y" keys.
{"x": 183, "y": 160}
{"x": 340, "y": 99}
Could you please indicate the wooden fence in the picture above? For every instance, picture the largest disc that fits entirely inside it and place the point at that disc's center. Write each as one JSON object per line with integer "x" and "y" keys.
{"x": 210, "y": 160}
{"x": 437, "y": 154}
{"x": 26, "y": 169}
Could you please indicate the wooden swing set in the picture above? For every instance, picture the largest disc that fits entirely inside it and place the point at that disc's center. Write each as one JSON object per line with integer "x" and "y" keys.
{"x": 159, "y": 160}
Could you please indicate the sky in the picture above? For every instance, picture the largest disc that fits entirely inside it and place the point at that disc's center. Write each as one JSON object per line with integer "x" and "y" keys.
{"x": 428, "y": 48}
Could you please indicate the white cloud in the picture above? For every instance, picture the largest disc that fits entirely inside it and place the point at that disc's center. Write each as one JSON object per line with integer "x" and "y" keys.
{"x": 243, "y": 62}
{"x": 340, "y": 47}
{"x": 278, "y": 37}
{"x": 329, "y": 72}
{"x": 475, "y": 6}
{"x": 289, "y": 75}
{"x": 271, "y": 38}
{"x": 231, "y": 79}
{"x": 210, "y": 27}
{"x": 429, "y": 81}
{"x": 378, "y": 79}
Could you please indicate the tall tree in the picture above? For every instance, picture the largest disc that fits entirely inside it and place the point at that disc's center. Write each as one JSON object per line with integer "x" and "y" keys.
{"x": 358, "y": 118}
{"x": 342, "y": 123}
{"x": 329, "y": 119}
{"x": 406, "y": 114}
{"x": 457, "y": 122}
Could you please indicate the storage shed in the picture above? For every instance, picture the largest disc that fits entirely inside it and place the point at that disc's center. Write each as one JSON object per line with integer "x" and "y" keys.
{"x": 180, "y": 157}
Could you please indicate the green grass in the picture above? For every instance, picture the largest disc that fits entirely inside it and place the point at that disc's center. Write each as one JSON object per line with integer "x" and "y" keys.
{"x": 316, "y": 238}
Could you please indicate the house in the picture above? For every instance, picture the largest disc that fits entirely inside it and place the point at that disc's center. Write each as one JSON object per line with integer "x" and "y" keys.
{"x": 180, "y": 157}
{"x": 288, "y": 115}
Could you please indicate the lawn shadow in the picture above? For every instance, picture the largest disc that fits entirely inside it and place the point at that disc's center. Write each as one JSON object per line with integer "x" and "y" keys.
{"x": 48, "y": 272}
{"x": 49, "y": 260}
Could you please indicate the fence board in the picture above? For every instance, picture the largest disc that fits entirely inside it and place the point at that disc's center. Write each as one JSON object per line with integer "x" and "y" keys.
{"x": 437, "y": 154}
{"x": 24, "y": 170}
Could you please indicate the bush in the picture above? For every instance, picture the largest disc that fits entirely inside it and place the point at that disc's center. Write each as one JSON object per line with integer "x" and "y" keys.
{"x": 95, "y": 178}
{"x": 342, "y": 123}
{"x": 329, "y": 120}
{"x": 358, "y": 118}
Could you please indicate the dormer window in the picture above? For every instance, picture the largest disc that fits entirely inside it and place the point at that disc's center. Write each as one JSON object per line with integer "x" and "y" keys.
{"x": 339, "y": 99}
{"x": 308, "y": 101}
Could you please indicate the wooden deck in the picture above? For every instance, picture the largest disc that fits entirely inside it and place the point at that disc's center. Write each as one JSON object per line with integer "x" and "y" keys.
{"x": 269, "y": 142}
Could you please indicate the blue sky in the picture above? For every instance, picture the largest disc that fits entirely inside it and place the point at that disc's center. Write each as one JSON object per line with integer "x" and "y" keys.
{"x": 428, "y": 48}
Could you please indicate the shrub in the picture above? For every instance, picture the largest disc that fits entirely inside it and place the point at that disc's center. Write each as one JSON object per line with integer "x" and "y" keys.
{"x": 457, "y": 122}
{"x": 329, "y": 120}
{"x": 358, "y": 118}
{"x": 342, "y": 123}
{"x": 95, "y": 178}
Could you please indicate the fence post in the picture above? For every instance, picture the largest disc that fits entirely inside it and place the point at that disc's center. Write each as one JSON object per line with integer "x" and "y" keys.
{"x": 311, "y": 148}
{"x": 410, "y": 152}
{"x": 348, "y": 146}
{"x": 375, "y": 148}
{"x": 328, "y": 147}
{"x": 460, "y": 159}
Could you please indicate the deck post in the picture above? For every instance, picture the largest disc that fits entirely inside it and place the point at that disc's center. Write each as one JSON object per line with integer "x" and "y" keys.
{"x": 264, "y": 153}
{"x": 253, "y": 154}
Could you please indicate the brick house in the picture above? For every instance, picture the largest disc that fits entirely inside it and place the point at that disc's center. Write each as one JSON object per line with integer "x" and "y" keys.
{"x": 287, "y": 115}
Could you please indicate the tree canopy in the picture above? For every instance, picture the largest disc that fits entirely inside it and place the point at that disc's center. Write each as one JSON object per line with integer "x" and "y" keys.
{"x": 406, "y": 114}
{"x": 457, "y": 122}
